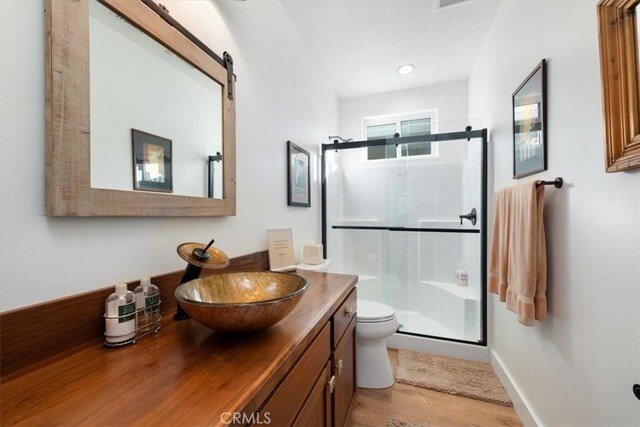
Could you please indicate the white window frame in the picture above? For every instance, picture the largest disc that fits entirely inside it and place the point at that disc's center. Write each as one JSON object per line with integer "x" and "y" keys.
{"x": 397, "y": 118}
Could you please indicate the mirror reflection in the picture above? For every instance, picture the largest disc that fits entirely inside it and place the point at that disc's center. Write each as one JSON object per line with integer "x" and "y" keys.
{"x": 156, "y": 121}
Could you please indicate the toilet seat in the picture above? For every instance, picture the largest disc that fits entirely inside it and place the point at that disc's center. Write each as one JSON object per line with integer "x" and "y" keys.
{"x": 374, "y": 312}
{"x": 381, "y": 320}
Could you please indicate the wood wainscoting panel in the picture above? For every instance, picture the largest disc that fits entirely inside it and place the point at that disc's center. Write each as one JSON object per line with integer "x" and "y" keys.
{"x": 33, "y": 335}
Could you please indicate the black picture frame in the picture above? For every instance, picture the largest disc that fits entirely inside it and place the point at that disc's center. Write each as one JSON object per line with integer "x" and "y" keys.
{"x": 298, "y": 176}
{"x": 152, "y": 162}
{"x": 529, "y": 108}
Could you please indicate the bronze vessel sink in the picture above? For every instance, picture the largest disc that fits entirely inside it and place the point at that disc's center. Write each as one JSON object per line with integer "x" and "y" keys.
{"x": 243, "y": 301}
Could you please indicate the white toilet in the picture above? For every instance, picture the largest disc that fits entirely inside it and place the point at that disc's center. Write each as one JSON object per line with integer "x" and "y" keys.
{"x": 376, "y": 322}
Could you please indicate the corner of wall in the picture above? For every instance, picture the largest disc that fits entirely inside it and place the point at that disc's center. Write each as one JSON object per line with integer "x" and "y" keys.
{"x": 520, "y": 403}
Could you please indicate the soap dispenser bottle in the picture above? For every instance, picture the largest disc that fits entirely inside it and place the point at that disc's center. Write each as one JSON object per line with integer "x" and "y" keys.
{"x": 147, "y": 306}
{"x": 120, "y": 316}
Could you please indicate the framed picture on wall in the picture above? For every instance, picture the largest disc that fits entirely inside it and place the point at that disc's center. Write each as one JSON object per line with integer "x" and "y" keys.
{"x": 530, "y": 124}
{"x": 151, "y": 162}
{"x": 298, "y": 176}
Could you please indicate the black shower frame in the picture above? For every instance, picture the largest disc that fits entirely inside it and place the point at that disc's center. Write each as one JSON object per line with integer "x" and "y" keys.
{"x": 449, "y": 136}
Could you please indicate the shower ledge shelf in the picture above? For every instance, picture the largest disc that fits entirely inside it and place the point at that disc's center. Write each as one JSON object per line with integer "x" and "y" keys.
{"x": 465, "y": 292}
{"x": 362, "y": 277}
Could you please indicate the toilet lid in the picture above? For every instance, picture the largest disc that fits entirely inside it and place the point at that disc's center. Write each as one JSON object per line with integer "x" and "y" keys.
{"x": 371, "y": 310}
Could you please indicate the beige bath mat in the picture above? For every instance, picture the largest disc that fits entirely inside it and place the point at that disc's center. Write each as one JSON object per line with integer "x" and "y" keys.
{"x": 397, "y": 422}
{"x": 454, "y": 376}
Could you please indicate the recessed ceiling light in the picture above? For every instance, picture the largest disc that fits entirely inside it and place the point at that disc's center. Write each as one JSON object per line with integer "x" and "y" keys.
{"x": 406, "y": 68}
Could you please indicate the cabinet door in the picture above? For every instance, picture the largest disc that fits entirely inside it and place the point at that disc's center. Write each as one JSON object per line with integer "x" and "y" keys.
{"x": 342, "y": 317}
{"x": 344, "y": 369}
{"x": 316, "y": 411}
{"x": 288, "y": 398}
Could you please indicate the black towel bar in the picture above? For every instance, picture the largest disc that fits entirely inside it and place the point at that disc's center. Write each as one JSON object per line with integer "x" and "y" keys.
{"x": 556, "y": 182}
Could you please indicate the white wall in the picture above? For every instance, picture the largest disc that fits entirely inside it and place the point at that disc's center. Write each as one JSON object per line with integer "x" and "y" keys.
{"x": 280, "y": 97}
{"x": 450, "y": 99}
{"x": 578, "y": 366}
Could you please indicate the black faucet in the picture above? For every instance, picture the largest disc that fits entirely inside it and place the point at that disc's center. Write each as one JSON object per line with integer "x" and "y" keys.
{"x": 471, "y": 216}
{"x": 192, "y": 272}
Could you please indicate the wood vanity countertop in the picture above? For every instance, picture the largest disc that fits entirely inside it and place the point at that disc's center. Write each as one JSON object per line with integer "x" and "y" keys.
{"x": 187, "y": 374}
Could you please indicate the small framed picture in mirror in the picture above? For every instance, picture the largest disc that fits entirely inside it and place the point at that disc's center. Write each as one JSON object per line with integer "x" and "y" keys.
{"x": 298, "y": 176}
{"x": 151, "y": 162}
{"x": 529, "y": 124}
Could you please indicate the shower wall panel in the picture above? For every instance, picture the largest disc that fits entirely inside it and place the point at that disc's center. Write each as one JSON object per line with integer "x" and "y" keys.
{"x": 413, "y": 271}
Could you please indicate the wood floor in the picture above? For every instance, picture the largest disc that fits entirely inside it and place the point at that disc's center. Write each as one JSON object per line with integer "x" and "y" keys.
{"x": 425, "y": 407}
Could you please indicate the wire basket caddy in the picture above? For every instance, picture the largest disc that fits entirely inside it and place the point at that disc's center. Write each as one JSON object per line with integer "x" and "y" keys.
{"x": 147, "y": 322}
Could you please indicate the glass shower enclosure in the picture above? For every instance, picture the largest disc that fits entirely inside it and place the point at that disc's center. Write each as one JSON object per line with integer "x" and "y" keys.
{"x": 412, "y": 227}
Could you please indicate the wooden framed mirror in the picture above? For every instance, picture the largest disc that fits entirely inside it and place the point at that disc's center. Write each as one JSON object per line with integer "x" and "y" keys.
{"x": 85, "y": 179}
{"x": 620, "y": 73}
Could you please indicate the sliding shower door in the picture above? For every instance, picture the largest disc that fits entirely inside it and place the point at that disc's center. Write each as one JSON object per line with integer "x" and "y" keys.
{"x": 393, "y": 219}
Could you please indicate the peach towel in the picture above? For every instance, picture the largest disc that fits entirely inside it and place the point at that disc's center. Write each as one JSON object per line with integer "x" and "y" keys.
{"x": 518, "y": 254}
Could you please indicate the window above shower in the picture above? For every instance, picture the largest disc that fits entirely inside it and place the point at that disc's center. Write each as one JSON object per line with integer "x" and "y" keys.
{"x": 407, "y": 124}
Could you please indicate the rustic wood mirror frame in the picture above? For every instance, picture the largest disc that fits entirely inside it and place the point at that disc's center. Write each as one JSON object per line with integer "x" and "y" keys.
{"x": 68, "y": 175}
{"x": 620, "y": 82}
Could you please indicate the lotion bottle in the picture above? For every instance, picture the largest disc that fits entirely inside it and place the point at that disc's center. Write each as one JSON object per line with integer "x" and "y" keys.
{"x": 120, "y": 316}
{"x": 147, "y": 306}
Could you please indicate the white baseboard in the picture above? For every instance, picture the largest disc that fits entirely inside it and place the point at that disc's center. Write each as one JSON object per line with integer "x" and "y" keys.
{"x": 520, "y": 404}
{"x": 439, "y": 347}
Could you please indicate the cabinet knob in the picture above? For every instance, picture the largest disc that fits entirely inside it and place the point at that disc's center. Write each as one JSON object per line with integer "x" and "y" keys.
{"x": 332, "y": 383}
{"x": 339, "y": 366}
{"x": 348, "y": 311}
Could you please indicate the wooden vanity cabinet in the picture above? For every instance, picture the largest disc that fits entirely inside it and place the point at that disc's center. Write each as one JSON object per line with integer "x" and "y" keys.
{"x": 293, "y": 393}
{"x": 320, "y": 388}
{"x": 343, "y": 358}
{"x": 301, "y": 371}
{"x": 344, "y": 368}
{"x": 342, "y": 318}
{"x": 316, "y": 411}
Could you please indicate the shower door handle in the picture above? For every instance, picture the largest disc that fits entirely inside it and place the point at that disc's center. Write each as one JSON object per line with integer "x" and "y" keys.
{"x": 471, "y": 216}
